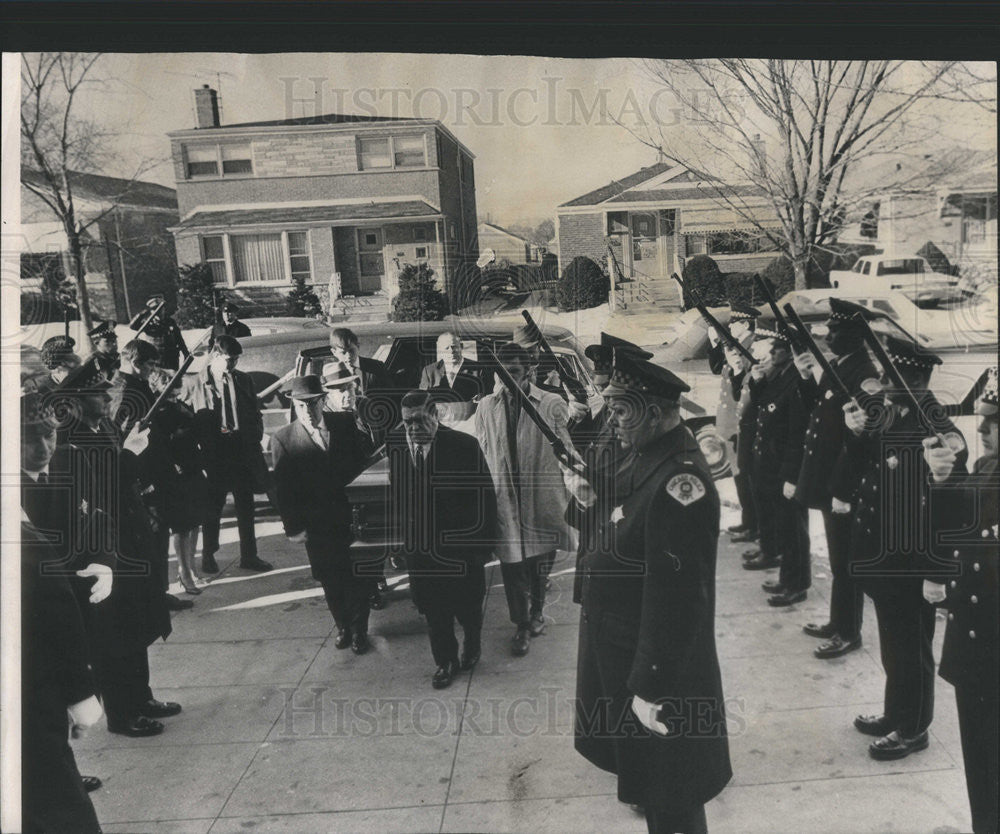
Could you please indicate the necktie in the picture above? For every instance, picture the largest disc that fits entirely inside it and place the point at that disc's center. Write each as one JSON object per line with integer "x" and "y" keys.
{"x": 227, "y": 405}
{"x": 43, "y": 478}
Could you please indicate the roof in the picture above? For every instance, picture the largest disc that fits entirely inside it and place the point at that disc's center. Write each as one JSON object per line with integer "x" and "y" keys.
{"x": 310, "y": 214}
{"x": 656, "y": 195}
{"x": 325, "y": 119}
{"x": 616, "y": 187}
{"x": 112, "y": 189}
{"x": 508, "y": 232}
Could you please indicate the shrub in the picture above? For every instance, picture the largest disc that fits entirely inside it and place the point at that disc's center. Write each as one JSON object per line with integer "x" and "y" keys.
{"x": 781, "y": 274}
{"x": 741, "y": 289}
{"x": 302, "y": 301}
{"x": 936, "y": 258}
{"x": 583, "y": 285}
{"x": 419, "y": 298}
{"x": 701, "y": 273}
{"x": 195, "y": 306}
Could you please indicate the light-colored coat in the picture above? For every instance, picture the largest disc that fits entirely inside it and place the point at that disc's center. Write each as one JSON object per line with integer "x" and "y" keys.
{"x": 536, "y": 524}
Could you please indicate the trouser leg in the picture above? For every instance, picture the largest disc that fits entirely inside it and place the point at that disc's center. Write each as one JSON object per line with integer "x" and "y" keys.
{"x": 748, "y": 512}
{"x": 766, "y": 491}
{"x": 242, "y": 485}
{"x": 516, "y": 586}
{"x": 795, "y": 574}
{"x": 846, "y": 597}
{"x": 683, "y": 822}
{"x": 538, "y": 576}
{"x": 977, "y": 723}
{"x": 218, "y": 489}
{"x": 124, "y": 684}
{"x": 441, "y": 627}
{"x": 469, "y": 609}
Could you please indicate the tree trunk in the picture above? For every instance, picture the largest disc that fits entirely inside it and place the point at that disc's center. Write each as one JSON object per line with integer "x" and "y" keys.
{"x": 79, "y": 272}
{"x": 800, "y": 262}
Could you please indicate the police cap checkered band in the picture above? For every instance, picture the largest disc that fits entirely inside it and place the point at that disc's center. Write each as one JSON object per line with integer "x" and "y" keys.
{"x": 908, "y": 354}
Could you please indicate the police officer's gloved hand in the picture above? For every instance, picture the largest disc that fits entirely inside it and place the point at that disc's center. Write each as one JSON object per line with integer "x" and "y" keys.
{"x": 854, "y": 418}
{"x": 578, "y": 487}
{"x": 940, "y": 459}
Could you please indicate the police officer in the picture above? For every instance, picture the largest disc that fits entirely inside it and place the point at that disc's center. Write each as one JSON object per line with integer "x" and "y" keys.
{"x": 230, "y": 324}
{"x": 828, "y": 471}
{"x": 894, "y": 544}
{"x": 105, "y": 342}
{"x": 649, "y": 691}
{"x": 969, "y": 505}
{"x": 162, "y": 331}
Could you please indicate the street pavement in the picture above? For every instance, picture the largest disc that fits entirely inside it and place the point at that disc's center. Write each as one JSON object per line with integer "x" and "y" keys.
{"x": 281, "y": 732}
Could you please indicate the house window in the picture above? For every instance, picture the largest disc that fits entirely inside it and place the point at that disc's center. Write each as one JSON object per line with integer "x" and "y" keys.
{"x": 694, "y": 244}
{"x": 236, "y": 159}
{"x": 408, "y": 151}
{"x": 258, "y": 258}
{"x": 298, "y": 256}
{"x": 419, "y": 233}
{"x": 391, "y": 152}
{"x": 738, "y": 243}
{"x": 213, "y": 253}
{"x": 421, "y": 251}
{"x": 617, "y": 222}
{"x": 371, "y": 239}
{"x": 375, "y": 154}
{"x": 202, "y": 161}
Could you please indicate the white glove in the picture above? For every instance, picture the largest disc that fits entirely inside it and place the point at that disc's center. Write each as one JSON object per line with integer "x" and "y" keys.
{"x": 933, "y": 592}
{"x": 84, "y": 714}
{"x": 298, "y": 538}
{"x": 736, "y": 360}
{"x": 578, "y": 486}
{"x": 757, "y": 372}
{"x": 940, "y": 459}
{"x": 804, "y": 364}
{"x": 788, "y": 490}
{"x": 647, "y": 714}
{"x": 839, "y": 507}
{"x": 137, "y": 440}
{"x": 577, "y": 411}
{"x": 854, "y": 418}
{"x": 713, "y": 337}
{"x": 101, "y": 589}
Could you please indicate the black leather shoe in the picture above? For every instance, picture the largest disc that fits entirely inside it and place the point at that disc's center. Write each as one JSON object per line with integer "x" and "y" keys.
{"x": 748, "y": 536}
{"x": 375, "y": 601}
{"x": 469, "y": 659}
{"x": 895, "y": 746}
{"x": 138, "y": 727}
{"x": 752, "y": 553}
{"x": 521, "y": 642}
{"x": 444, "y": 675}
{"x": 343, "y": 638}
{"x": 360, "y": 644}
{"x": 773, "y": 586}
{"x": 159, "y": 709}
{"x": 823, "y": 632}
{"x": 256, "y": 564}
{"x": 872, "y": 725}
{"x": 208, "y": 563}
{"x": 178, "y": 604}
{"x": 761, "y": 562}
{"x": 382, "y": 586}
{"x": 736, "y": 528}
{"x": 786, "y": 598}
{"x": 836, "y": 646}
{"x": 537, "y": 626}
{"x": 91, "y": 783}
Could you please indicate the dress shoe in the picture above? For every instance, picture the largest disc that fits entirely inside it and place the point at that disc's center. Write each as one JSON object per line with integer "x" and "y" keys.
{"x": 747, "y": 555}
{"x": 836, "y": 646}
{"x": 773, "y": 586}
{"x": 469, "y": 659}
{"x": 872, "y": 725}
{"x": 748, "y": 536}
{"x": 359, "y": 643}
{"x": 343, "y": 638}
{"x": 895, "y": 746}
{"x": 159, "y": 709}
{"x": 138, "y": 727}
{"x": 382, "y": 586}
{"x": 521, "y": 642}
{"x": 253, "y": 563}
{"x": 375, "y": 601}
{"x": 786, "y": 598}
{"x": 823, "y": 632}
{"x": 178, "y": 604}
{"x": 537, "y": 625}
{"x": 761, "y": 562}
{"x": 191, "y": 588}
{"x": 208, "y": 563}
{"x": 737, "y": 528}
{"x": 444, "y": 675}
{"x": 91, "y": 783}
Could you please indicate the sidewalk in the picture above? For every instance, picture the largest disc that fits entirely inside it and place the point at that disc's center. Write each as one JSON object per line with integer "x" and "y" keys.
{"x": 283, "y": 733}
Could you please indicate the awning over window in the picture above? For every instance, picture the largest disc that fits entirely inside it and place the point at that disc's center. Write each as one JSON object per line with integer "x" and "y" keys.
{"x": 403, "y": 210}
{"x": 703, "y": 221}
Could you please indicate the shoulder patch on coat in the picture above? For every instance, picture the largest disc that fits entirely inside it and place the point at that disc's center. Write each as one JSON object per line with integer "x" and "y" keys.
{"x": 685, "y": 488}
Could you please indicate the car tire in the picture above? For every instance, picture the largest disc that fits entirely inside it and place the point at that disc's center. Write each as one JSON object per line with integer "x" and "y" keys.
{"x": 715, "y": 450}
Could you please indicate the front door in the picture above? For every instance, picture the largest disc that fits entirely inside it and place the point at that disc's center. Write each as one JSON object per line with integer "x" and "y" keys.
{"x": 645, "y": 260}
{"x": 371, "y": 260}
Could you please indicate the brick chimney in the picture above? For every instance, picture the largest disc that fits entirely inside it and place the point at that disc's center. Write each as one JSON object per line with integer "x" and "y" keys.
{"x": 206, "y": 107}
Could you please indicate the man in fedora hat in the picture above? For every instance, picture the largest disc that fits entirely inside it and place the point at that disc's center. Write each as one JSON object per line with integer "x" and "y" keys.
{"x": 315, "y": 457}
{"x": 968, "y": 505}
{"x": 650, "y": 705}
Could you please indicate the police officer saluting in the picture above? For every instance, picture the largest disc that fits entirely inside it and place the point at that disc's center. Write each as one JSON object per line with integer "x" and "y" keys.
{"x": 162, "y": 331}
{"x": 649, "y": 691}
{"x": 105, "y": 342}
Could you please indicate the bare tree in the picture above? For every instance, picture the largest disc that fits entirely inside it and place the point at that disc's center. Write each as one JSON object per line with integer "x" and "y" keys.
{"x": 799, "y": 136}
{"x": 57, "y": 144}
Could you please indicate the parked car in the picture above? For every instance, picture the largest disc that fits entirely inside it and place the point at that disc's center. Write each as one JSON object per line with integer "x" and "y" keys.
{"x": 887, "y": 271}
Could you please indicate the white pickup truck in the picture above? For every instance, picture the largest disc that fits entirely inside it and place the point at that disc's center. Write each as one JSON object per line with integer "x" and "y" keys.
{"x": 910, "y": 274}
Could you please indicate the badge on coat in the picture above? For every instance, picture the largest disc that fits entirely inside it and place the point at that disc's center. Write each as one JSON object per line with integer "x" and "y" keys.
{"x": 617, "y": 514}
{"x": 685, "y": 488}
{"x": 828, "y": 394}
{"x": 771, "y": 406}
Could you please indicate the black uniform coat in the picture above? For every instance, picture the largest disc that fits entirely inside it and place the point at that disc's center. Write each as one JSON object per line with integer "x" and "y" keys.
{"x": 780, "y": 425}
{"x": 447, "y": 513}
{"x": 238, "y": 330}
{"x": 56, "y": 674}
{"x": 473, "y": 379}
{"x": 648, "y": 629}
{"x": 826, "y": 433}
{"x": 164, "y": 335}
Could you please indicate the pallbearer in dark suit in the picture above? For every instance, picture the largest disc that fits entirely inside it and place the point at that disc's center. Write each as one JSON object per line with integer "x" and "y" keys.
{"x": 442, "y": 494}
{"x": 969, "y": 660}
{"x": 895, "y": 545}
{"x": 828, "y": 476}
{"x": 453, "y": 377}
{"x": 649, "y": 691}
{"x": 315, "y": 457}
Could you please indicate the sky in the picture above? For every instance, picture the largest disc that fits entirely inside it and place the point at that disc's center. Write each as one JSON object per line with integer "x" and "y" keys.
{"x": 532, "y": 122}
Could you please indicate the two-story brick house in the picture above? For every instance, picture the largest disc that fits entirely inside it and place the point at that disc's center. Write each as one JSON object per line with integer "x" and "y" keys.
{"x": 357, "y": 197}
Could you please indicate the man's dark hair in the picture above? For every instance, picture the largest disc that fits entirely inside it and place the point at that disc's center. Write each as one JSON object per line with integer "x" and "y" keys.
{"x": 138, "y": 351}
{"x": 417, "y": 399}
{"x": 227, "y": 346}
{"x": 513, "y": 352}
{"x": 347, "y": 336}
